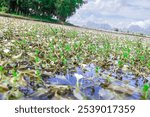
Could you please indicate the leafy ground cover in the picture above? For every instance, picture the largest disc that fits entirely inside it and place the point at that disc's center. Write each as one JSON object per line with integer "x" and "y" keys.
{"x": 47, "y": 61}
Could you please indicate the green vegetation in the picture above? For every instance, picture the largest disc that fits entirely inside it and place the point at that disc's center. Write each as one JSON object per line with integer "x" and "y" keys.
{"x": 35, "y": 18}
{"x": 1, "y": 68}
{"x": 33, "y": 50}
{"x": 62, "y": 9}
{"x": 146, "y": 90}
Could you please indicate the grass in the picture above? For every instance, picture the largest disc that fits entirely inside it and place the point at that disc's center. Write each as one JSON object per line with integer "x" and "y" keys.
{"x": 34, "y": 18}
{"x": 45, "y": 48}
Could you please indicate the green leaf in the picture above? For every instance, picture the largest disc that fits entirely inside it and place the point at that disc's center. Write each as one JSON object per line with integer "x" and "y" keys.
{"x": 125, "y": 55}
{"x": 120, "y": 63}
{"x": 146, "y": 87}
{"x": 64, "y": 61}
{"x": 15, "y": 73}
{"x": 68, "y": 47}
{"x": 148, "y": 64}
{"x": 38, "y": 73}
{"x": 97, "y": 69}
{"x": 142, "y": 58}
{"x": 1, "y": 68}
{"x": 51, "y": 46}
{"x": 36, "y": 51}
{"x": 129, "y": 50}
{"x": 37, "y": 59}
{"x": 75, "y": 45}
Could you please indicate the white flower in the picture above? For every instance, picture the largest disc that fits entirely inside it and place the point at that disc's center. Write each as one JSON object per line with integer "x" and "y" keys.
{"x": 6, "y": 50}
{"x": 37, "y": 36}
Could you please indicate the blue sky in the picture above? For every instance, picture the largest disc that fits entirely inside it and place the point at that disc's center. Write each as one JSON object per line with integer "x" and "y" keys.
{"x": 116, "y": 13}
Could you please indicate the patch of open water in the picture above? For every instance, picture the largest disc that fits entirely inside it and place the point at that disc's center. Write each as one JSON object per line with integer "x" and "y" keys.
{"x": 84, "y": 84}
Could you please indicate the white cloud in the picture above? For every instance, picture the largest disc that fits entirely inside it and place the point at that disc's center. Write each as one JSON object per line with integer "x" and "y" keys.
{"x": 141, "y": 3}
{"x": 143, "y": 24}
{"x": 117, "y": 13}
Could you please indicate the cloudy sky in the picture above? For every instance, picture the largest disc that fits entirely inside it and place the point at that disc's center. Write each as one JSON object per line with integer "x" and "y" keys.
{"x": 116, "y": 13}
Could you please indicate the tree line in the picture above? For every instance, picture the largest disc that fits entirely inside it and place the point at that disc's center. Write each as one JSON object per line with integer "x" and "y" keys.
{"x": 62, "y": 9}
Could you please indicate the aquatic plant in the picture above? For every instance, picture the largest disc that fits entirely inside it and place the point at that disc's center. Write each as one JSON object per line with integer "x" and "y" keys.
{"x": 39, "y": 51}
{"x": 145, "y": 90}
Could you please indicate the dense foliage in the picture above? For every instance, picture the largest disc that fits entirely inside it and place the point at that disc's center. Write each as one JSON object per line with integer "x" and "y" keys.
{"x": 62, "y": 9}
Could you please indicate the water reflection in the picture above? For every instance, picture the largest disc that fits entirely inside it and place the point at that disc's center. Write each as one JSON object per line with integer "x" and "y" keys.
{"x": 85, "y": 83}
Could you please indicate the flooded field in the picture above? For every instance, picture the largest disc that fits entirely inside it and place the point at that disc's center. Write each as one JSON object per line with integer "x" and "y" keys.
{"x": 41, "y": 61}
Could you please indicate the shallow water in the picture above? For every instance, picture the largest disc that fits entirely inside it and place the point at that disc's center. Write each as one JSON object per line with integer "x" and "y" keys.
{"x": 85, "y": 83}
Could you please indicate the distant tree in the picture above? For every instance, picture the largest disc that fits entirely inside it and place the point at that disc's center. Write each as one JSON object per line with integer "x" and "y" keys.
{"x": 23, "y": 6}
{"x": 47, "y": 7}
{"x": 42, "y": 7}
{"x": 66, "y": 8}
{"x": 62, "y": 9}
{"x": 116, "y": 29}
{"x": 4, "y": 5}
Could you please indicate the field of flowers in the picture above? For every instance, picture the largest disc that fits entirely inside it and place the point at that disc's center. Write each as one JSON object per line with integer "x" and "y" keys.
{"x": 46, "y": 61}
